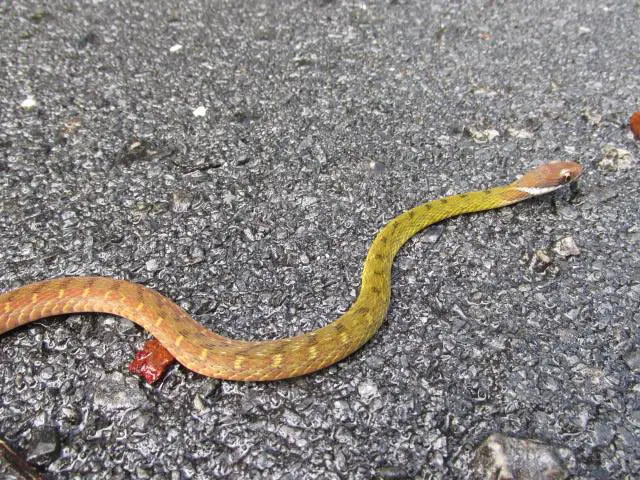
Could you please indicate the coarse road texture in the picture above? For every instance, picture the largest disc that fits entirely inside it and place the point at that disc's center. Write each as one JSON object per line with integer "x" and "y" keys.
{"x": 239, "y": 157}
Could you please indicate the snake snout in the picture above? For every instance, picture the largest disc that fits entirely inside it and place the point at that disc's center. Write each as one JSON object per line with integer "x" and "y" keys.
{"x": 568, "y": 171}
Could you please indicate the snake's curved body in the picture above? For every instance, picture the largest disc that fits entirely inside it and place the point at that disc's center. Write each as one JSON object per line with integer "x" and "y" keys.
{"x": 208, "y": 353}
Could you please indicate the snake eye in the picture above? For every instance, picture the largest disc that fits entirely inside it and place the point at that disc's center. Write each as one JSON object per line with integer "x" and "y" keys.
{"x": 568, "y": 172}
{"x": 565, "y": 175}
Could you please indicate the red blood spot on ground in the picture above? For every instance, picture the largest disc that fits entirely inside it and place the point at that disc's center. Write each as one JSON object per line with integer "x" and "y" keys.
{"x": 152, "y": 361}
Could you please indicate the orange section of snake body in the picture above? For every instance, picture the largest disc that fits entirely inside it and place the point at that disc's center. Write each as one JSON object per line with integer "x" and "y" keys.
{"x": 208, "y": 353}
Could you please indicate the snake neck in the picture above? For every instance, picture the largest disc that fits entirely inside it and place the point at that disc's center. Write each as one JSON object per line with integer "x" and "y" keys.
{"x": 398, "y": 231}
{"x": 376, "y": 275}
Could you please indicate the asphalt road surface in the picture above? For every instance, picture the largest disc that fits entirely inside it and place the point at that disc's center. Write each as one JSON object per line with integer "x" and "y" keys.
{"x": 240, "y": 156}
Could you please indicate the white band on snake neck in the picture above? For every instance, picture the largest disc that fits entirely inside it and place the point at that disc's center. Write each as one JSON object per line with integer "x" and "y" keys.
{"x": 538, "y": 190}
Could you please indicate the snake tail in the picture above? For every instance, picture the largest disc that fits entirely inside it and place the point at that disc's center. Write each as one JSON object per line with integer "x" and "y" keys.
{"x": 208, "y": 353}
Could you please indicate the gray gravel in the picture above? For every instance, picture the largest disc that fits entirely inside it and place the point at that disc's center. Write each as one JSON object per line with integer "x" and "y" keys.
{"x": 244, "y": 175}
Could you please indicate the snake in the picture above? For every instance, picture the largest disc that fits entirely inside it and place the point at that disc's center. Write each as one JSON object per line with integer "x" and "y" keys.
{"x": 208, "y": 353}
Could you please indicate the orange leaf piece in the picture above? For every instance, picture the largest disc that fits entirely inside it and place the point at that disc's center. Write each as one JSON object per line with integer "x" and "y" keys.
{"x": 634, "y": 123}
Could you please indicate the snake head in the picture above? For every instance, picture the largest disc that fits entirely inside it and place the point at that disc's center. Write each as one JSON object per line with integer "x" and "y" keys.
{"x": 548, "y": 177}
